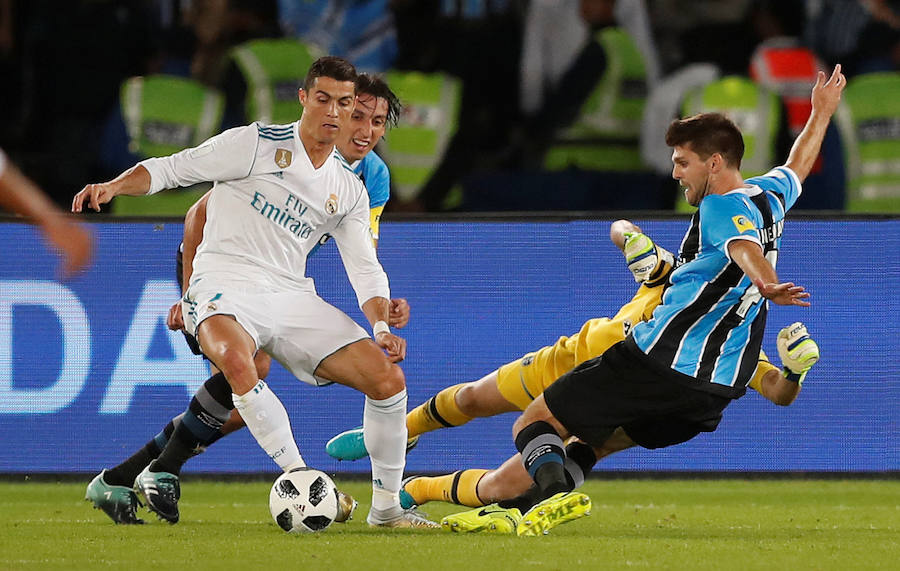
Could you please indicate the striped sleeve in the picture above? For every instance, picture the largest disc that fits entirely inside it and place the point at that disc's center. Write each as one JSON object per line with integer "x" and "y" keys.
{"x": 727, "y": 218}
{"x": 782, "y": 181}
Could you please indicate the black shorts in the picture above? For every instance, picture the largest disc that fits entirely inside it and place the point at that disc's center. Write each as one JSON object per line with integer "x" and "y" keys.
{"x": 623, "y": 387}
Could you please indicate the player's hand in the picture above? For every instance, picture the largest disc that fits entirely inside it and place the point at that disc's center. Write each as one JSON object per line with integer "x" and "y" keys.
{"x": 175, "y": 319}
{"x": 94, "y": 195}
{"x": 394, "y": 346}
{"x": 796, "y": 348}
{"x": 399, "y": 315}
{"x": 783, "y": 294}
{"x": 827, "y": 94}
{"x": 73, "y": 241}
{"x": 641, "y": 255}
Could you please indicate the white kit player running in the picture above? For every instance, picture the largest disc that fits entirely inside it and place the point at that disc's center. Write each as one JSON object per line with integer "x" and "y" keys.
{"x": 278, "y": 190}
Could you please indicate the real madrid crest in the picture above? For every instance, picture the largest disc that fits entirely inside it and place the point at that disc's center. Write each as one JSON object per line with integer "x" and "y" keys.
{"x": 283, "y": 158}
{"x": 331, "y": 204}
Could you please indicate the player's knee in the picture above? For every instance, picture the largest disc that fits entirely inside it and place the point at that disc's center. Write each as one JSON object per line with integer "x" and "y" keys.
{"x": 263, "y": 364}
{"x": 536, "y": 411}
{"x": 468, "y": 402}
{"x": 386, "y": 382}
{"x": 237, "y": 365}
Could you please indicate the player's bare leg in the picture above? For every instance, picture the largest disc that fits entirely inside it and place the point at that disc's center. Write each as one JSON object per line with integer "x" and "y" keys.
{"x": 232, "y": 349}
{"x": 364, "y": 367}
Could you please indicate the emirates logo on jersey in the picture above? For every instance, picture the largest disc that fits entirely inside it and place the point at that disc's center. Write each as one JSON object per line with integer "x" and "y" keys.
{"x": 283, "y": 158}
{"x": 331, "y": 205}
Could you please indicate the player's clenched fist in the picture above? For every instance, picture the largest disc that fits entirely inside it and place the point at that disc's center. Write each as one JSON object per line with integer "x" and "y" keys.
{"x": 393, "y": 345}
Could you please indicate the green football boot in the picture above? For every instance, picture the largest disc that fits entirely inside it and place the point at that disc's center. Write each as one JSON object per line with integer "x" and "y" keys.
{"x": 487, "y": 519}
{"x": 555, "y": 510}
{"x": 118, "y": 502}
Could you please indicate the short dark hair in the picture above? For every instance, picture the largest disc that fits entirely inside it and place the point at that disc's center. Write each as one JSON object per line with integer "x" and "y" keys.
{"x": 329, "y": 66}
{"x": 707, "y": 134}
{"x": 376, "y": 86}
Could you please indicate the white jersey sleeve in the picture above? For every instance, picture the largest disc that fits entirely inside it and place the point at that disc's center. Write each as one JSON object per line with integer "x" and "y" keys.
{"x": 354, "y": 241}
{"x": 227, "y": 156}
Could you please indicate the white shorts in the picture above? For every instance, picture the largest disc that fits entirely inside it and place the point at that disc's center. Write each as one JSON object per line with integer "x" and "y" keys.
{"x": 297, "y": 328}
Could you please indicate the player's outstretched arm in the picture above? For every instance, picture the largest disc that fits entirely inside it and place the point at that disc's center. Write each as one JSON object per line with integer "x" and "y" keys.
{"x": 825, "y": 98}
{"x": 133, "y": 182}
{"x": 18, "y": 194}
{"x": 748, "y": 255}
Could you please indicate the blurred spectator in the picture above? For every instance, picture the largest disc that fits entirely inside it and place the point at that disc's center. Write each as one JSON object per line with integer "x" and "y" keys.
{"x": 479, "y": 42}
{"x": 74, "y": 55}
{"x": 419, "y": 140}
{"x": 869, "y": 121}
{"x": 722, "y": 32}
{"x": 162, "y": 114}
{"x": 361, "y": 31}
{"x": 219, "y": 25}
{"x": 586, "y": 137}
{"x": 861, "y": 35}
{"x": 785, "y": 67}
{"x": 556, "y": 31}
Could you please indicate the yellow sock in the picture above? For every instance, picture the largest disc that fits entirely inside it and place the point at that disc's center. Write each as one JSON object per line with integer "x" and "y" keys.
{"x": 456, "y": 488}
{"x": 440, "y": 411}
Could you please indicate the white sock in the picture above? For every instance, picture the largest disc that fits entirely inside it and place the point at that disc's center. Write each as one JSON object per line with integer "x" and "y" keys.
{"x": 269, "y": 423}
{"x": 384, "y": 432}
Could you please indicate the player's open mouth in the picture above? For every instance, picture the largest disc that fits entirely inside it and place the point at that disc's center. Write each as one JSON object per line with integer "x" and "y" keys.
{"x": 329, "y": 125}
{"x": 361, "y": 143}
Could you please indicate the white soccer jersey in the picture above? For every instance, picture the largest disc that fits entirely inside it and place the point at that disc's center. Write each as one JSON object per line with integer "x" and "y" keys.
{"x": 269, "y": 207}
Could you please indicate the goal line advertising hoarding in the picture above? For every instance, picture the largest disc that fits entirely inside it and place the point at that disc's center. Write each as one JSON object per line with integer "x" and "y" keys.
{"x": 89, "y": 372}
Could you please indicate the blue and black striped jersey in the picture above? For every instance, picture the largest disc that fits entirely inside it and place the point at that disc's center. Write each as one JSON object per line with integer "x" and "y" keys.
{"x": 711, "y": 320}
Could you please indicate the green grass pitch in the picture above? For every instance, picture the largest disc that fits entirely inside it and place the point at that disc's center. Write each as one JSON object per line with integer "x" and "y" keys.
{"x": 635, "y": 524}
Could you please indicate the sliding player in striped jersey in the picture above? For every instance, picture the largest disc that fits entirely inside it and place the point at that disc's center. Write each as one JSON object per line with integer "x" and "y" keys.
{"x": 674, "y": 375}
{"x": 514, "y": 385}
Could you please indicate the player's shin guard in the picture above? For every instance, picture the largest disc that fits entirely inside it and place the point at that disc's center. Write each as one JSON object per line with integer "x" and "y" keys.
{"x": 580, "y": 460}
{"x": 440, "y": 411}
{"x": 208, "y": 411}
{"x": 544, "y": 456}
{"x": 384, "y": 433}
{"x": 269, "y": 423}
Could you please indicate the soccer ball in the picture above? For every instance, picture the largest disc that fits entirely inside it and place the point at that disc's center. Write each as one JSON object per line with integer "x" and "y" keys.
{"x": 303, "y": 501}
